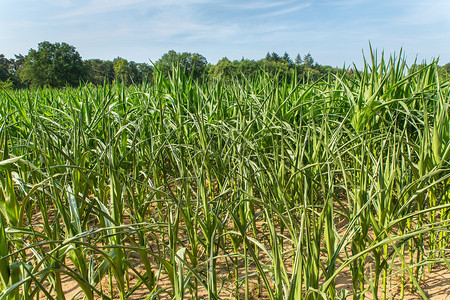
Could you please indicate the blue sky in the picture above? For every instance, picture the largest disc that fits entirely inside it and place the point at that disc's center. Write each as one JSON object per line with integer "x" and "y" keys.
{"x": 334, "y": 32}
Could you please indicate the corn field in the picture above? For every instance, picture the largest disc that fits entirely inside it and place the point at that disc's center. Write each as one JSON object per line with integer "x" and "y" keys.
{"x": 255, "y": 189}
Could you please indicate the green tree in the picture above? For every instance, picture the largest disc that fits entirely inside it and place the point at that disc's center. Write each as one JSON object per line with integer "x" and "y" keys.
{"x": 446, "y": 67}
{"x": 273, "y": 57}
{"x": 5, "y": 65}
{"x": 140, "y": 72}
{"x": 287, "y": 59}
{"x": 5, "y": 74}
{"x": 9, "y": 70}
{"x": 146, "y": 70}
{"x": 18, "y": 62}
{"x": 189, "y": 63}
{"x": 246, "y": 67}
{"x": 56, "y": 65}
{"x": 308, "y": 60}
{"x": 122, "y": 70}
{"x": 99, "y": 71}
{"x": 298, "y": 60}
{"x": 224, "y": 69}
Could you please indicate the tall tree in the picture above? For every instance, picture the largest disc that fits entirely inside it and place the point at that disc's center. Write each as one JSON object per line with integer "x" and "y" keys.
{"x": 5, "y": 65}
{"x": 56, "y": 65}
{"x": 224, "y": 69}
{"x": 308, "y": 60}
{"x": 139, "y": 72}
{"x": 447, "y": 68}
{"x": 122, "y": 70}
{"x": 99, "y": 71}
{"x": 145, "y": 71}
{"x": 298, "y": 60}
{"x": 287, "y": 60}
{"x": 189, "y": 63}
{"x": 275, "y": 57}
{"x": 18, "y": 62}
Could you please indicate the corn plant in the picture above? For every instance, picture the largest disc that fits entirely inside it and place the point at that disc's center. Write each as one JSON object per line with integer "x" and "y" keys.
{"x": 245, "y": 188}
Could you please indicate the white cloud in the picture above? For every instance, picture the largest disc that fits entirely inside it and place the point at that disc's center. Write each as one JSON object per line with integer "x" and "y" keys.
{"x": 344, "y": 3}
{"x": 253, "y": 5}
{"x": 288, "y": 10}
{"x": 334, "y": 30}
{"x": 97, "y": 7}
{"x": 426, "y": 12}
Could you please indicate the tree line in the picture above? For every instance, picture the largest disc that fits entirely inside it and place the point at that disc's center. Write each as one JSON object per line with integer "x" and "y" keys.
{"x": 60, "y": 64}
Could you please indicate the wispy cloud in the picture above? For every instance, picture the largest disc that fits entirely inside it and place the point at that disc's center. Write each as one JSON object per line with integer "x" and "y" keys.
{"x": 188, "y": 30}
{"x": 58, "y": 3}
{"x": 258, "y": 5}
{"x": 288, "y": 10}
{"x": 426, "y": 12}
{"x": 343, "y": 3}
{"x": 334, "y": 30}
{"x": 97, "y": 7}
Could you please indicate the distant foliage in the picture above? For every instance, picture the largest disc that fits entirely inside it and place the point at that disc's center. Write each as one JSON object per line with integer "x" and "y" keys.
{"x": 59, "y": 64}
{"x": 301, "y": 70}
{"x": 54, "y": 65}
{"x": 99, "y": 71}
{"x": 190, "y": 63}
{"x": 122, "y": 70}
{"x": 4, "y": 68}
